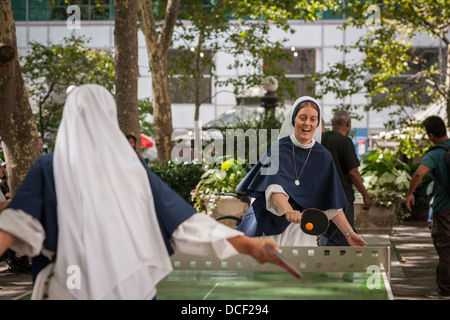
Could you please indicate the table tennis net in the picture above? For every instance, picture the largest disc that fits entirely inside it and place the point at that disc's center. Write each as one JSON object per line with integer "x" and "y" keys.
{"x": 307, "y": 259}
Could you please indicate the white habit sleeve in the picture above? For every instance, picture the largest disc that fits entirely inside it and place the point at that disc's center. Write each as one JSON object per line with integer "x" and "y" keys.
{"x": 274, "y": 188}
{"x": 27, "y": 230}
{"x": 202, "y": 235}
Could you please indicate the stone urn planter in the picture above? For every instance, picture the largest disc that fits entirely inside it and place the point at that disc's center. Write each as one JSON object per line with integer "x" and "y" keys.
{"x": 225, "y": 205}
{"x": 375, "y": 220}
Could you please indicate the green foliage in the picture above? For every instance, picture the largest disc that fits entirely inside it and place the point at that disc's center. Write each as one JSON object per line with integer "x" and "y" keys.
{"x": 229, "y": 27}
{"x": 391, "y": 72}
{"x": 145, "y": 107}
{"x": 219, "y": 178}
{"x": 49, "y": 69}
{"x": 181, "y": 178}
{"x": 386, "y": 179}
{"x": 411, "y": 139}
{"x": 241, "y": 30}
{"x": 254, "y": 123}
{"x": 412, "y": 143}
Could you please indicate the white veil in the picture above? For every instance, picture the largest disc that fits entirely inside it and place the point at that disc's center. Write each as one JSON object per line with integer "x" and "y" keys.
{"x": 108, "y": 229}
{"x": 287, "y": 128}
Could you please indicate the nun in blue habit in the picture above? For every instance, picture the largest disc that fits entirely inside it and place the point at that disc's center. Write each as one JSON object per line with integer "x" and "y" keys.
{"x": 296, "y": 173}
{"x": 92, "y": 209}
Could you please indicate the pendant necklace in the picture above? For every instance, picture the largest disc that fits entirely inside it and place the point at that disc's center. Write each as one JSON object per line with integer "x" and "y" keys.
{"x": 297, "y": 177}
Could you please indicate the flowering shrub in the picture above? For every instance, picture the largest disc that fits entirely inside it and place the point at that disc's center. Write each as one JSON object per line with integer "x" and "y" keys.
{"x": 386, "y": 180}
{"x": 221, "y": 178}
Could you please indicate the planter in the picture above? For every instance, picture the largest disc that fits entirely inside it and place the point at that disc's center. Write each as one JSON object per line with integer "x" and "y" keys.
{"x": 226, "y": 206}
{"x": 374, "y": 220}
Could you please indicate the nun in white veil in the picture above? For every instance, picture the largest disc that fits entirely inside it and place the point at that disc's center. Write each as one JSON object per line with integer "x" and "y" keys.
{"x": 288, "y": 128}
{"x": 296, "y": 173}
{"x": 97, "y": 222}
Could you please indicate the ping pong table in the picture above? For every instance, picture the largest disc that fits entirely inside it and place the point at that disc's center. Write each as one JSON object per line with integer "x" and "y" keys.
{"x": 329, "y": 273}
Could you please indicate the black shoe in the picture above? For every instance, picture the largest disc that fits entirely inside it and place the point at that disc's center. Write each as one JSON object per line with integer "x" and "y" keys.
{"x": 437, "y": 296}
{"x": 17, "y": 264}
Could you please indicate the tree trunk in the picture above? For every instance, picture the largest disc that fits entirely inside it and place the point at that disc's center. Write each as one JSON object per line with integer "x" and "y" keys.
{"x": 126, "y": 68}
{"x": 17, "y": 126}
{"x": 162, "y": 107}
{"x": 197, "y": 99}
{"x": 157, "y": 48}
{"x": 447, "y": 84}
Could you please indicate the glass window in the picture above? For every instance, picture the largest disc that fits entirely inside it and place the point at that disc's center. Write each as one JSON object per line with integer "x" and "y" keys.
{"x": 412, "y": 89}
{"x": 19, "y": 10}
{"x": 330, "y": 14}
{"x": 302, "y": 63}
{"x": 182, "y": 91}
{"x": 426, "y": 58}
{"x": 43, "y": 10}
{"x": 37, "y": 14}
{"x": 38, "y": 3}
{"x": 101, "y": 13}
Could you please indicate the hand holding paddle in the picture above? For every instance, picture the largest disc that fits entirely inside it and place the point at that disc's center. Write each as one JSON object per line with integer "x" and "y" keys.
{"x": 312, "y": 221}
{"x": 294, "y": 216}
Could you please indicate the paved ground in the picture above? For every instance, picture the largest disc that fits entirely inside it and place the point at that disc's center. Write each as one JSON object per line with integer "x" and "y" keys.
{"x": 413, "y": 263}
{"x": 13, "y": 285}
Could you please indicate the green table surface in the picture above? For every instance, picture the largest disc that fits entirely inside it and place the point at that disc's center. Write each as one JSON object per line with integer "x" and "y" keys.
{"x": 265, "y": 285}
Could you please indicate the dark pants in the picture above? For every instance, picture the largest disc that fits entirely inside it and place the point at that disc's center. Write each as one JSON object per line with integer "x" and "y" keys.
{"x": 334, "y": 236}
{"x": 441, "y": 239}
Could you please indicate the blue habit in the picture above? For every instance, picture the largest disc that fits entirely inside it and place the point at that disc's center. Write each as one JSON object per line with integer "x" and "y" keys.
{"x": 319, "y": 187}
{"x": 37, "y": 196}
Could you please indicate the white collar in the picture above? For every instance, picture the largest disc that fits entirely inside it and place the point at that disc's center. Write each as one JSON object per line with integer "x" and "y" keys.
{"x": 304, "y": 146}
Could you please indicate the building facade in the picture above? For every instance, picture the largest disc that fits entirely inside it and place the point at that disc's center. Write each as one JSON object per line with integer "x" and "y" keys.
{"x": 313, "y": 48}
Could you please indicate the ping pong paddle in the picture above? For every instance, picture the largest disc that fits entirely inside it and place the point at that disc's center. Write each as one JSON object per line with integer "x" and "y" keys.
{"x": 283, "y": 262}
{"x": 314, "y": 222}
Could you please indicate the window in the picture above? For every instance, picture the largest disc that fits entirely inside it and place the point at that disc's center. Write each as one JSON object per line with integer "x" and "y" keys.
{"x": 19, "y": 9}
{"x": 181, "y": 88}
{"x": 411, "y": 86}
{"x": 303, "y": 62}
{"x": 56, "y": 10}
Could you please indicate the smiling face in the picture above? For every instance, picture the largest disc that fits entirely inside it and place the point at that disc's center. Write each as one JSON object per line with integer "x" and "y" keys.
{"x": 306, "y": 122}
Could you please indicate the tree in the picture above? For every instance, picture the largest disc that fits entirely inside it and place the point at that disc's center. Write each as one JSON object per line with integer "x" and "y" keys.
{"x": 206, "y": 29}
{"x": 158, "y": 38}
{"x": 51, "y": 68}
{"x": 126, "y": 67}
{"x": 17, "y": 127}
{"x": 393, "y": 72}
{"x": 158, "y": 41}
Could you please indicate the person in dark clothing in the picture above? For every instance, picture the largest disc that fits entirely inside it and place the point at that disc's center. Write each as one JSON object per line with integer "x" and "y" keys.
{"x": 343, "y": 152}
{"x": 434, "y": 162}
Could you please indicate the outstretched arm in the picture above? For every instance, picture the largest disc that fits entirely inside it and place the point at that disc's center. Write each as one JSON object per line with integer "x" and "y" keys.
{"x": 202, "y": 235}
{"x": 254, "y": 247}
{"x": 283, "y": 205}
{"x": 355, "y": 178}
{"x": 342, "y": 223}
{"x": 415, "y": 180}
